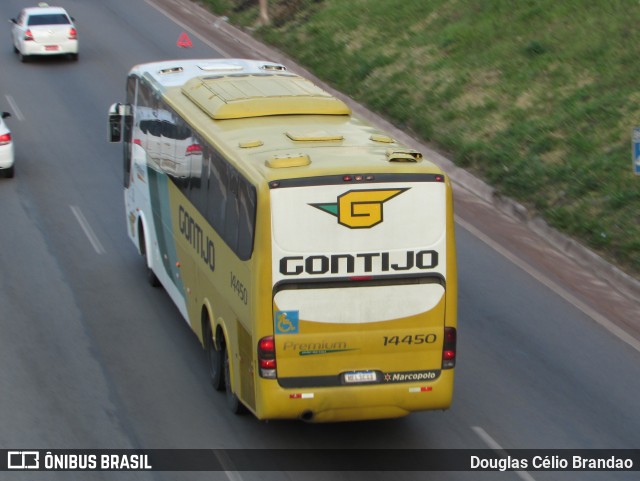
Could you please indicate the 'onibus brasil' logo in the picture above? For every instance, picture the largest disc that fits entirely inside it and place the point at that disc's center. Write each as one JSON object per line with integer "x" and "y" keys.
{"x": 360, "y": 209}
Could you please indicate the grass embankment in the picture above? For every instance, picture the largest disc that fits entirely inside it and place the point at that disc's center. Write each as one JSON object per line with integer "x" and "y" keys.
{"x": 537, "y": 97}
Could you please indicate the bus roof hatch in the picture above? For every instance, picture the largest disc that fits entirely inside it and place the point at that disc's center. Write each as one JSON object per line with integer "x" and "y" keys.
{"x": 244, "y": 96}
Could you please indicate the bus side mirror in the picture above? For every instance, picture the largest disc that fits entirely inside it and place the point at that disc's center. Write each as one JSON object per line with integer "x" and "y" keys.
{"x": 117, "y": 112}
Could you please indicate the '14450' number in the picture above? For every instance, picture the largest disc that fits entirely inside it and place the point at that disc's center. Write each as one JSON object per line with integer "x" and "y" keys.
{"x": 240, "y": 289}
{"x": 410, "y": 339}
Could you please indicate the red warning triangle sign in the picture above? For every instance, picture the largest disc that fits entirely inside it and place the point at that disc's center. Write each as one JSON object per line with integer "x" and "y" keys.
{"x": 184, "y": 41}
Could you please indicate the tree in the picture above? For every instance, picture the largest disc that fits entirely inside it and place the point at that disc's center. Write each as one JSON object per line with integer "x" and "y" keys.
{"x": 264, "y": 13}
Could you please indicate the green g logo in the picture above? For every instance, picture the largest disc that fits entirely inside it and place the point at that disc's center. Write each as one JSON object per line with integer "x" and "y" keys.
{"x": 360, "y": 209}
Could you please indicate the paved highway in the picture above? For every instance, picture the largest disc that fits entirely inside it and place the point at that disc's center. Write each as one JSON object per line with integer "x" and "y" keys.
{"x": 93, "y": 357}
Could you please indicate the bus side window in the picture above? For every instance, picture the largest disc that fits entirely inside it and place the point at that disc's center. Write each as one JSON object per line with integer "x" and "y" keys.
{"x": 132, "y": 83}
{"x": 218, "y": 193}
{"x": 232, "y": 213}
{"x": 199, "y": 180}
{"x": 246, "y": 221}
{"x": 167, "y": 144}
{"x": 183, "y": 151}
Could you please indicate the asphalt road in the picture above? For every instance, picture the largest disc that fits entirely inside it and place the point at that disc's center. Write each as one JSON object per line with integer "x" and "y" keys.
{"x": 92, "y": 357}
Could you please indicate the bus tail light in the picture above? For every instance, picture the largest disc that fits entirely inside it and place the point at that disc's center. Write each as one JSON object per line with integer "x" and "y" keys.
{"x": 449, "y": 348}
{"x": 267, "y": 357}
{"x": 5, "y": 139}
{"x": 28, "y": 35}
{"x": 73, "y": 34}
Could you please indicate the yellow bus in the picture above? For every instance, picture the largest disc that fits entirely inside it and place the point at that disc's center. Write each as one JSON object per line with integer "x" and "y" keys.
{"x": 312, "y": 255}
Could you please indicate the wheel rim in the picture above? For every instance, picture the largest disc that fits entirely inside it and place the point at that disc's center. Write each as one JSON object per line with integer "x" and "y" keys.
{"x": 227, "y": 373}
{"x": 214, "y": 363}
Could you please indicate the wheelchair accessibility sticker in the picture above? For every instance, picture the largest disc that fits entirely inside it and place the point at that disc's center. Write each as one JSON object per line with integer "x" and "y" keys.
{"x": 286, "y": 322}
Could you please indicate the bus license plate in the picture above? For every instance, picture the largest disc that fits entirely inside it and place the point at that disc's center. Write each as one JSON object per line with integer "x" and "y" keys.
{"x": 360, "y": 377}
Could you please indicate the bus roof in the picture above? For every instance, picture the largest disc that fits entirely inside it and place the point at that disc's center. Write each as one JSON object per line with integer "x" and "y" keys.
{"x": 273, "y": 123}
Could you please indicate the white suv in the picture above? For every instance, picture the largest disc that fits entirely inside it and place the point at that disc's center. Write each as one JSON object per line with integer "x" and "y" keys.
{"x": 44, "y": 30}
{"x": 6, "y": 148}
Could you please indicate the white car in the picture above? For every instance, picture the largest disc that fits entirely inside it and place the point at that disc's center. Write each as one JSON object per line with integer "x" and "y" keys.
{"x": 6, "y": 148}
{"x": 44, "y": 30}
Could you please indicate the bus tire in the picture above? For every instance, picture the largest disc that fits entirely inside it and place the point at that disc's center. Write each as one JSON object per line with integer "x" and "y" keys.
{"x": 215, "y": 360}
{"x": 233, "y": 402}
{"x": 152, "y": 279}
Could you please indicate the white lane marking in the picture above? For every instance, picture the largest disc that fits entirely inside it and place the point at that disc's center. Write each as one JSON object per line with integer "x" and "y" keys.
{"x": 493, "y": 444}
{"x": 186, "y": 27}
{"x": 95, "y": 242}
{"x": 227, "y": 465}
{"x": 14, "y": 107}
{"x": 567, "y": 296}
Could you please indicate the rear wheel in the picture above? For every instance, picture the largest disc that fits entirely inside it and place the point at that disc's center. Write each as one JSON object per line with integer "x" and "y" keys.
{"x": 10, "y": 172}
{"x": 232, "y": 400}
{"x": 216, "y": 361}
{"x": 23, "y": 58}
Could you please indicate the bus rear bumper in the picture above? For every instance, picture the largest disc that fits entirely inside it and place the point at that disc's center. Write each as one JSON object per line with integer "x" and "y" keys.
{"x": 366, "y": 402}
